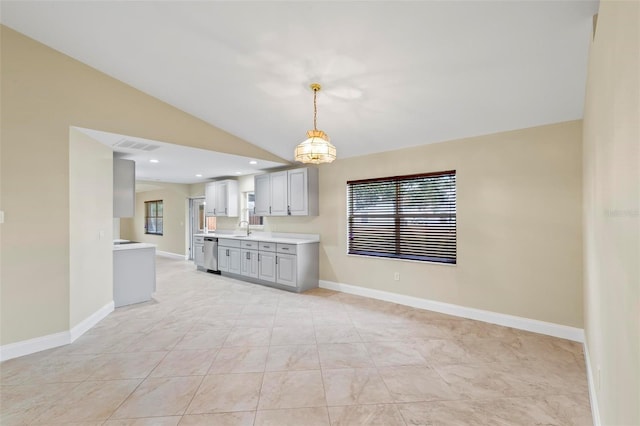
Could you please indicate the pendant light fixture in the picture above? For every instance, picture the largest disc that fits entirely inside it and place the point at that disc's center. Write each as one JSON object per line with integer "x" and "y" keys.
{"x": 317, "y": 148}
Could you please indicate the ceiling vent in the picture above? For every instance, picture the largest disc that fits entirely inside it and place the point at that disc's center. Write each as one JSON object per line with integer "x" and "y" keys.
{"x": 139, "y": 146}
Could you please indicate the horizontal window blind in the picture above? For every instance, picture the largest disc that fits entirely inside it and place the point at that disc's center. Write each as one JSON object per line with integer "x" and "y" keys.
{"x": 406, "y": 217}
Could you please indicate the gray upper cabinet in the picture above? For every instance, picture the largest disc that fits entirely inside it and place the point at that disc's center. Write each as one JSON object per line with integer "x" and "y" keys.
{"x": 287, "y": 193}
{"x": 221, "y": 198}
{"x": 262, "y": 191}
{"x": 124, "y": 188}
{"x": 303, "y": 192}
{"x": 278, "y": 194}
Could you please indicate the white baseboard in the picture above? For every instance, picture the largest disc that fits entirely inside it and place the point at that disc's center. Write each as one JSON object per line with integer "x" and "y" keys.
{"x": 593, "y": 399}
{"x": 86, "y": 324}
{"x": 521, "y": 323}
{"x": 30, "y": 346}
{"x": 50, "y": 341}
{"x": 171, "y": 255}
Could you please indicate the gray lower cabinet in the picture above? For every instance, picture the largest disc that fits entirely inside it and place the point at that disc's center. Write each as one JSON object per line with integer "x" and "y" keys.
{"x": 287, "y": 266}
{"x": 267, "y": 266}
{"x": 198, "y": 255}
{"x": 134, "y": 275}
{"x": 249, "y": 263}
{"x": 286, "y": 270}
{"x": 229, "y": 256}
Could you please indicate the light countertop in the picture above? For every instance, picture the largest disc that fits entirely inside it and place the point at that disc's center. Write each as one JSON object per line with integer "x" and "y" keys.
{"x": 285, "y": 238}
{"x": 133, "y": 246}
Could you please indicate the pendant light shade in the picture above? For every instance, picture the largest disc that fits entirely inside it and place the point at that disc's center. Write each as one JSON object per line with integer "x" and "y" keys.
{"x": 316, "y": 148}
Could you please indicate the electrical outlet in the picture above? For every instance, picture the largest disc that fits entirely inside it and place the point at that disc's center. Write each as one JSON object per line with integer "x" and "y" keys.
{"x": 396, "y": 276}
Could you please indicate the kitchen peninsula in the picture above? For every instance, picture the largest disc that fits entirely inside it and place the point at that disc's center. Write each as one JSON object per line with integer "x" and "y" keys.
{"x": 134, "y": 272}
{"x": 282, "y": 260}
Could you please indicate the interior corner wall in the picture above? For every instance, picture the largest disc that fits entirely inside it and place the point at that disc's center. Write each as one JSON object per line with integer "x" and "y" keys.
{"x": 519, "y": 224}
{"x": 612, "y": 213}
{"x": 44, "y": 93}
{"x": 173, "y": 196}
{"x": 91, "y": 233}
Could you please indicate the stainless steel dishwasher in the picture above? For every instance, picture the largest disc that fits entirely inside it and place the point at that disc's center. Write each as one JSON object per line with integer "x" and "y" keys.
{"x": 211, "y": 254}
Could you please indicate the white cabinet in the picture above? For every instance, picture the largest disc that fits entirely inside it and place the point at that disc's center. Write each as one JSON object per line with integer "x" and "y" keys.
{"x": 210, "y": 199}
{"x": 267, "y": 266}
{"x": 198, "y": 255}
{"x": 221, "y": 198}
{"x": 287, "y": 266}
{"x": 287, "y": 193}
{"x": 279, "y": 202}
{"x": 249, "y": 263}
{"x": 262, "y": 191}
{"x": 249, "y": 258}
{"x": 229, "y": 256}
{"x": 286, "y": 270}
{"x": 303, "y": 192}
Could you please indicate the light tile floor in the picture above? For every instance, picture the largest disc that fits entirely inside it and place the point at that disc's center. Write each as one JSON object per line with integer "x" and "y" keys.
{"x": 211, "y": 350}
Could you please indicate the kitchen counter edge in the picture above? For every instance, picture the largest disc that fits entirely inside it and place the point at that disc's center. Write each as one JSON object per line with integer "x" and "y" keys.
{"x": 133, "y": 246}
{"x": 266, "y": 238}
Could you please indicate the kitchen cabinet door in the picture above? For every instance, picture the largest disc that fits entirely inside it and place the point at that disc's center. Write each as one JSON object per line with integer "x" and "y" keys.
{"x": 262, "y": 190}
{"x": 198, "y": 256}
{"x": 223, "y": 259}
{"x": 298, "y": 192}
{"x": 279, "y": 201}
{"x": 286, "y": 270}
{"x": 267, "y": 266}
{"x": 249, "y": 263}
{"x": 229, "y": 260}
{"x": 234, "y": 261}
{"x": 210, "y": 199}
{"x": 303, "y": 192}
{"x": 222, "y": 202}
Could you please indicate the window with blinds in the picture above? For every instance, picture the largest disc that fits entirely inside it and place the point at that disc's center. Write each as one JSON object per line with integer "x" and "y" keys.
{"x": 404, "y": 217}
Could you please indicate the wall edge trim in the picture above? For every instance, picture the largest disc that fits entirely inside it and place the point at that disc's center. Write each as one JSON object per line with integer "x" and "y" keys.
{"x": 542, "y": 327}
{"x": 30, "y": 346}
{"x": 593, "y": 398}
{"x": 171, "y": 255}
{"x": 87, "y": 323}
{"x": 50, "y": 341}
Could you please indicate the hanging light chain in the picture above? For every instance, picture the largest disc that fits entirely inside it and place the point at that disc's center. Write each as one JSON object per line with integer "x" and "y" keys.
{"x": 315, "y": 109}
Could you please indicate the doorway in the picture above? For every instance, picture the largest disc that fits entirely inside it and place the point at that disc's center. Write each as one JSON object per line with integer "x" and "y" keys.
{"x": 196, "y": 221}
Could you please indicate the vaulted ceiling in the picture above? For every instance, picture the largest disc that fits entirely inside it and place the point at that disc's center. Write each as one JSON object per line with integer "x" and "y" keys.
{"x": 394, "y": 74}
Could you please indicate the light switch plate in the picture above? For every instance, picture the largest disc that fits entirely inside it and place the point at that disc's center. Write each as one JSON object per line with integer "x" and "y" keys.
{"x": 1, "y": 216}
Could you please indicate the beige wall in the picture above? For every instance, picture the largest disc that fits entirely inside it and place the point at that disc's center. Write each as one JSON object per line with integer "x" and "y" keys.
{"x": 612, "y": 212}
{"x": 44, "y": 93}
{"x": 174, "y": 198}
{"x": 91, "y": 233}
{"x": 519, "y": 224}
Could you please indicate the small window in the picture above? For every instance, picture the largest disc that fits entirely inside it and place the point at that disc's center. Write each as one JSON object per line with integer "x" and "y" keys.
{"x": 153, "y": 217}
{"x": 249, "y": 210}
{"x": 404, "y": 217}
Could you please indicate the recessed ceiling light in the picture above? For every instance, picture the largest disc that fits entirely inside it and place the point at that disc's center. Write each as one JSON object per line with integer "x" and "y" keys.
{"x": 253, "y": 162}
{"x": 238, "y": 173}
{"x": 198, "y": 175}
{"x": 153, "y": 160}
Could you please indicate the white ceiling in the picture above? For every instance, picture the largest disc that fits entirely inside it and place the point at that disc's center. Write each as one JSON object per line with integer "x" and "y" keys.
{"x": 176, "y": 163}
{"x": 394, "y": 74}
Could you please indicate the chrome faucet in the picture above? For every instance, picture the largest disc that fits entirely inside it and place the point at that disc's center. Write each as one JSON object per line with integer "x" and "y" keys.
{"x": 247, "y": 222}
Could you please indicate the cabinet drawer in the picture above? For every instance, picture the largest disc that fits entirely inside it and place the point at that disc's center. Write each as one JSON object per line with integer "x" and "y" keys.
{"x": 249, "y": 245}
{"x": 267, "y": 246}
{"x": 286, "y": 248}
{"x": 223, "y": 242}
{"x": 198, "y": 240}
